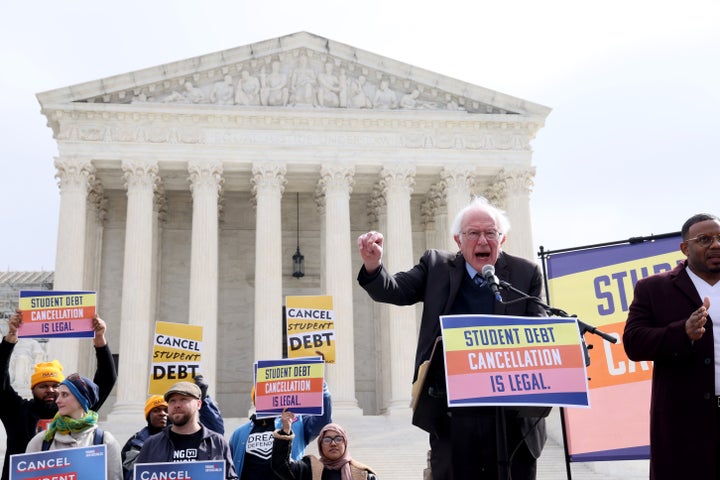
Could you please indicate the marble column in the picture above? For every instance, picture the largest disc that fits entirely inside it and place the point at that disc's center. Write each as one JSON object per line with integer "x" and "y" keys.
{"x": 96, "y": 210}
{"x": 434, "y": 216}
{"x": 377, "y": 213}
{"x": 510, "y": 191}
{"x": 397, "y": 182}
{"x": 336, "y": 184}
{"x": 75, "y": 177}
{"x": 268, "y": 185}
{"x": 137, "y": 311}
{"x": 205, "y": 184}
{"x": 459, "y": 182}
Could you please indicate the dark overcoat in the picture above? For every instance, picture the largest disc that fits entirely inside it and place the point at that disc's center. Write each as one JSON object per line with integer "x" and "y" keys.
{"x": 684, "y": 408}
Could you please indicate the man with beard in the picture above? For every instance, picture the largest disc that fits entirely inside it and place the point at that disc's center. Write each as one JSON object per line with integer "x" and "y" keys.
{"x": 156, "y": 416}
{"x": 674, "y": 321}
{"x": 186, "y": 439}
{"x": 24, "y": 418}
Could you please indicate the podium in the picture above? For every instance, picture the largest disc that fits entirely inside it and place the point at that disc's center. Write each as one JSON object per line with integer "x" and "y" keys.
{"x": 430, "y": 405}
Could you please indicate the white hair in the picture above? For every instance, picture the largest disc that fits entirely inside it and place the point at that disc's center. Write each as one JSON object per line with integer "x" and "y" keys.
{"x": 479, "y": 203}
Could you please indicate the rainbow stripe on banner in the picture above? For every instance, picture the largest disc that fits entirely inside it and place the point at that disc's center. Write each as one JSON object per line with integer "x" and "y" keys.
{"x": 506, "y": 360}
{"x": 55, "y": 314}
{"x": 295, "y": 384}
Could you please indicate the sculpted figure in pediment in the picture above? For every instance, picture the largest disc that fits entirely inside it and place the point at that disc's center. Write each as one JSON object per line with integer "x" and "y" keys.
{"x": 302, "y": 83}
{"x": 248, "y": 89}
{"x": 273, "y": 87}
{"x": 222, "y": 92}
{"x": 384, "y": 97}
{"x": 411, "y": 101}
{"x": 358, "y": 97}
{"x": 329, "y": 88}
{"x": 192, "y": 94}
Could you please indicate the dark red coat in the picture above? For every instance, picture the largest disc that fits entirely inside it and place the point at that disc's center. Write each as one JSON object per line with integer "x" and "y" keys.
{"x": 683, "y": 409}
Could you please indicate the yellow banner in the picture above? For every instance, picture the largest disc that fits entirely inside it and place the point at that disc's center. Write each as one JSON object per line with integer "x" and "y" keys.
{"x": 310, "y": 326}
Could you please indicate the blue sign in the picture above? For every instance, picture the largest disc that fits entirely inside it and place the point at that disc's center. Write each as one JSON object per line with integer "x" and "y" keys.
{"x": 205, "y": 470}
{"x": 69, "y": 463}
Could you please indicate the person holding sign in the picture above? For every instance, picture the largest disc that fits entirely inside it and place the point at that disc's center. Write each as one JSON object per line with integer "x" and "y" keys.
{"x": 251, "y": 443}
{"x": 186, "y": 439}
{"x": 75, "y": 424}
{"x": 23, "y": 418}
{"x": 335, "y": 462}
{"x": 674, "y": 321}
{"x": 463, "y": 440}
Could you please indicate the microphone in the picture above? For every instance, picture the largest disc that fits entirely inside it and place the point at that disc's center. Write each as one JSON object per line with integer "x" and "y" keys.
{"x": 488, "y": 273}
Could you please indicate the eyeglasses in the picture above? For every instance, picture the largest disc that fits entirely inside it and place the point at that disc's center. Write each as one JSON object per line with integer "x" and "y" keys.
{"x": 474, "y": 235}
{"x": 336, "y": 440}
{"x": 705, "y": 239}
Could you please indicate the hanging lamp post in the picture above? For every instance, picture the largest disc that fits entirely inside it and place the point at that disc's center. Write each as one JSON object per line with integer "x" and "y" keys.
{"x": 298, "y": 258}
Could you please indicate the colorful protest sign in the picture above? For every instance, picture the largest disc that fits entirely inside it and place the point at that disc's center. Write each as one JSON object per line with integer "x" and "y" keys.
{"x": 597, "y": 285}
{"x": 506, "y": 360}
{"x": 54, "y": 314}
{"x": 177, "y": 354}
{"x": 205, "y": 470}
{"x": 295, "y": 384}
{"x": 310, "y": 327}
{"x": 68, "y": 463}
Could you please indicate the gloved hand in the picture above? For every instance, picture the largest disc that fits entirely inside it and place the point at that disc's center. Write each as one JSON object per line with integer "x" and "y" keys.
{"x": 203, "y": 384}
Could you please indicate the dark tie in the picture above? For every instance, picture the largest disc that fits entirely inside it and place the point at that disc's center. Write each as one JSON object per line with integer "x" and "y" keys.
{"x": 479, "y": 280}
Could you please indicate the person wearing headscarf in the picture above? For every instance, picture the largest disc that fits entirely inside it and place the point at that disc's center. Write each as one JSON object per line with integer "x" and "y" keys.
{"x": 75, "y": 423}
{"x": 335, "y": 462}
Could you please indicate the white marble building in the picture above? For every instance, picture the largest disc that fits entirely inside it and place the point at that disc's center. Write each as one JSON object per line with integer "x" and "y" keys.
{"x": 178, "y": 192}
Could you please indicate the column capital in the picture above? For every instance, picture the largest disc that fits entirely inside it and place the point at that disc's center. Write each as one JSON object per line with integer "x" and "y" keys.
{"x": 140, "y": 175}
{"x": 98, "y": 200}
{"x": 510, "y": 182}
{"x": 434, "y": 200}
{"x": 376, "y": 204}
{"x": 205, "y": 175}
{"x": 458, "y": 177}
{"x": 398, "y": 176}
{"x": 74, "y": 173}
{"x": 336, "y": 177}
{"x": 268, "y": 176}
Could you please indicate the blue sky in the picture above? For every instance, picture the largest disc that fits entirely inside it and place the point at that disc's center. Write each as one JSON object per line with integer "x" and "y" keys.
{"x": 634, "y": 86}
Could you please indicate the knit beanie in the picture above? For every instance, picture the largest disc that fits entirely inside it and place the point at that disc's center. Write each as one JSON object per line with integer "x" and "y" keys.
{"x": 85, "y": 390}
{"x": 47, "y": 372}
{"x": 153, "y": 402}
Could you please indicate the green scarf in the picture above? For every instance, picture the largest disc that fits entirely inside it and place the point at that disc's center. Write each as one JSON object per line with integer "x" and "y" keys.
{"x": 64, "y": 424}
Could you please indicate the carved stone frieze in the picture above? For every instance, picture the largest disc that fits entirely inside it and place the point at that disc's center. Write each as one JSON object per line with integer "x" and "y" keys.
{"x": 299, "y": 78}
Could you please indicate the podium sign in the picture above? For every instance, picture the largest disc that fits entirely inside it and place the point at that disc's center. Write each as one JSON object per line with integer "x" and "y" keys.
{"x": 504, "y": 360}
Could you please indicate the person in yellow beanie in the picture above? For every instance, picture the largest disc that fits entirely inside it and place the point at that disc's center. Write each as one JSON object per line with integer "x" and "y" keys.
{"x": 23, "y": 418}
{"x": 46, "y": 377}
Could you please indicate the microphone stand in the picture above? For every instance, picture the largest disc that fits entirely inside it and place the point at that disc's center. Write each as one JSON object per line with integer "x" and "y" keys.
{"x": 500, "y": 426}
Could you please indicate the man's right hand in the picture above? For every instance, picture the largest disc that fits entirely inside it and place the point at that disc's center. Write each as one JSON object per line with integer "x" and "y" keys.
{"x": 371, "y": 250}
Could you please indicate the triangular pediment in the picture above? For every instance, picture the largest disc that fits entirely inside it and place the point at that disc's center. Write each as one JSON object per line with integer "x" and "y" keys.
{"x": 300, "y": 70}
